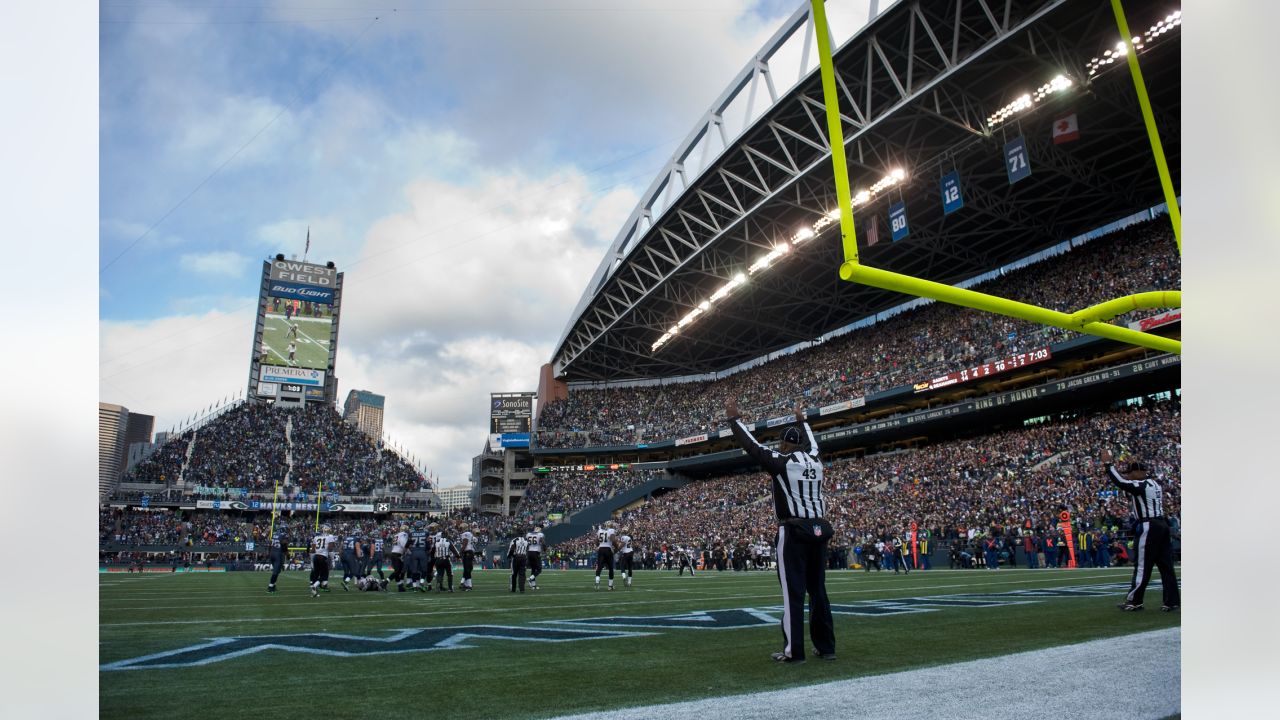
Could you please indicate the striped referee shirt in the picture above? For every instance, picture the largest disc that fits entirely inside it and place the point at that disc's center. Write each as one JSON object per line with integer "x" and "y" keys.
{"x": 519, "y": 547}
{"x": 797, "y": 478}
{"x": 443, "y": 548}
{"x": 1146, "y": 495}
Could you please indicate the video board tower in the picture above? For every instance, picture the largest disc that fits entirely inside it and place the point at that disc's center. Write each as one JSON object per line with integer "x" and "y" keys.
{"x": 295, "y": 337}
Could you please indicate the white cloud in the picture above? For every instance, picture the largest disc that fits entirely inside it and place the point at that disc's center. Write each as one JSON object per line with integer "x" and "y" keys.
{"x": 228, "y": 263}
{"x": 176, "y": 365}
{"x": 440, "y": 187}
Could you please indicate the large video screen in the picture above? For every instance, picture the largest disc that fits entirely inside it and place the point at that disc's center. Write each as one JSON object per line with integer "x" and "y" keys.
{"x": 296, "y": 333}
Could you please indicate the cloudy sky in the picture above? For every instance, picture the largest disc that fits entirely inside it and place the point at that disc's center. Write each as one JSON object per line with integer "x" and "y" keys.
{"x": 465, "y": 163}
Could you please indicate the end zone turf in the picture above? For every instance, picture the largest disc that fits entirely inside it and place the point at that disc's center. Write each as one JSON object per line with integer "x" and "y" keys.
{"x": 567, "y": 648}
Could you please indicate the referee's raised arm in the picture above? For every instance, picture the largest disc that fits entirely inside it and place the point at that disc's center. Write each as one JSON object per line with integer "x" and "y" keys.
{"x": 1133, "y": 487}
{"x": 769, "y": 459}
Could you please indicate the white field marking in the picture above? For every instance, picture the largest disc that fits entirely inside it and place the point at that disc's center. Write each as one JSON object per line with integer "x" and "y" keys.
{"x": 1106, "y": 679}
{"x": 109, "y": 581}
{"x": 575, "y": 606}
{"x": 835, "y": 576}
{"x": 199, "y": 595}
{"x": 310, "y": 339}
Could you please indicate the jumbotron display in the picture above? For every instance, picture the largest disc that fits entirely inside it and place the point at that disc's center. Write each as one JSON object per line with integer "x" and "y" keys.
{"x": 297, "y": 329}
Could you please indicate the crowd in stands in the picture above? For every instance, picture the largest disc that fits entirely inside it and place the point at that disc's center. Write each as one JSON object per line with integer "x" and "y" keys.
{"x": 568, "y": 492}
{"x": 912, "y": 346}
{"x": 205, "y": 528}
{"x": 247, "y": 450}
{"x": 165, "y": 462}
{"x": 245, "y": 447}
{"x": 1009, "y": 480}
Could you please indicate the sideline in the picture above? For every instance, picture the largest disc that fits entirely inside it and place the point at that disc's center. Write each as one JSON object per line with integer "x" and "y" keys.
{"x": 1104, "y": 679}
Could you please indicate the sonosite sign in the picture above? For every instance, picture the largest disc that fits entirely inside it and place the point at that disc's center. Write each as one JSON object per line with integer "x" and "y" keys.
{"x": 510, "y": 412}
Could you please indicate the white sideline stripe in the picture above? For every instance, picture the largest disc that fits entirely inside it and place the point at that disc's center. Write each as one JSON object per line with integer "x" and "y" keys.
{"x": 1131, "y": 676}
{"x": 605, "y": 604}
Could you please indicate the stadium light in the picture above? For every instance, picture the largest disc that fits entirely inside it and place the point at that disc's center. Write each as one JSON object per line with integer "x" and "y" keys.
{"x": 894, "y": 177}
{"x": 1140, "y": 42}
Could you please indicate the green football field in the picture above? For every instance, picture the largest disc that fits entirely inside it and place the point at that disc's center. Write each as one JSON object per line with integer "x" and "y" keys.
{"x": 312, "y": 344}
{"x": 166, "y": 649}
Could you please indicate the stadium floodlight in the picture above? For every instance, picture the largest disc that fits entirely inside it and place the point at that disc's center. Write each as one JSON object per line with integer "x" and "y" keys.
{"x": 1140, "y": 42}
{"x": 803, "y": 234}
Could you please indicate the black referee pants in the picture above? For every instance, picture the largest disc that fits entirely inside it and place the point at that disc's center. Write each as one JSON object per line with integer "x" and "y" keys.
{"x": 518, "y": 565}
{"x": 1151, "y": 547}
{"x": 802, "y": 567}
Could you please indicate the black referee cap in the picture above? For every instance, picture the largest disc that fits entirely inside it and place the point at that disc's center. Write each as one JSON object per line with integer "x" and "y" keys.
{"x": 1135, "y": 466}
{"x": 791, "y": 435}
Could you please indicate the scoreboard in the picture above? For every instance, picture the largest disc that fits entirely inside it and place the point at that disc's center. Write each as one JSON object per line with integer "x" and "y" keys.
{"x": 510, "y": 413}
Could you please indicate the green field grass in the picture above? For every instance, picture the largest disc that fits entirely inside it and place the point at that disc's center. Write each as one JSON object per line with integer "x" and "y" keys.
{"x": 495, "y": 678}
{"x": 312, "y": 344}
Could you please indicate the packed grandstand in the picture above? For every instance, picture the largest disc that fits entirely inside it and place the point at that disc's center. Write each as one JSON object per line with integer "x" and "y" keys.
{"x": 636, "y": 434}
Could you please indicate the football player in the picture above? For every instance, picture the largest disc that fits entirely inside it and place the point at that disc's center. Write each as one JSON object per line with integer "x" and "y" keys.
{"x": 279, "y": 549}
{"x": 607, "y": 543}
{"x": 535, "y": 539}
{"x": 398, "y": 547}
{"x": 468, "y": 543}
{"x": 625, "y": 558}
{"x": 322, "y": 547}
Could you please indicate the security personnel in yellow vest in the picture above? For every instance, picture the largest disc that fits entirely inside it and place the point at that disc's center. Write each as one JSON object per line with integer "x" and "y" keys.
{"x": 922, "y": 540}
{"x": 1087, "y": 547}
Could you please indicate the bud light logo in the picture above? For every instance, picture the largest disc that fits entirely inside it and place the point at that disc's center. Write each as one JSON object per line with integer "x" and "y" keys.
{"x": 301, "y": 292}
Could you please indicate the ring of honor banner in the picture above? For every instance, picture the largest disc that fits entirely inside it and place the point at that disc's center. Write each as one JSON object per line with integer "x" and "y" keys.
{"x": 1015, "y": 160}
{"x": 898, "y": 220}
{"x": 952, "y": 200}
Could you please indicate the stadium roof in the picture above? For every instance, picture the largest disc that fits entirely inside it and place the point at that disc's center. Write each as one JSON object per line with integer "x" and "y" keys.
{"x": 918, "y": 87}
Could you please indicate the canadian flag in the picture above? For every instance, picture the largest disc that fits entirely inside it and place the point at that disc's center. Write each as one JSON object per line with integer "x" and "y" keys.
{"x": 1066, "y": 129}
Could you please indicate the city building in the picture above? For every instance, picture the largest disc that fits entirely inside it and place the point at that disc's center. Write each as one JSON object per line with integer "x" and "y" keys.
{"x": 455, "y": 497}
{"x": 113, "y": 423}
{"x": 364, "y": 410}
{"x": 138, "y": 429}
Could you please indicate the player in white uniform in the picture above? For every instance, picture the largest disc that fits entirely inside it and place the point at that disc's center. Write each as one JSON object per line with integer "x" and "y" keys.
{"x": 467, "y": 543}
{"x": 625, "y": 559}
{"x": 397, "y": 556}
{"x": 608, "y": 542}
{"x": 322, "y": 547}
{"x": 535, "y": 539}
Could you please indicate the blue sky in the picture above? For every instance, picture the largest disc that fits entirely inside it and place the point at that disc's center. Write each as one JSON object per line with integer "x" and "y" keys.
{"x": 465, "y": 163}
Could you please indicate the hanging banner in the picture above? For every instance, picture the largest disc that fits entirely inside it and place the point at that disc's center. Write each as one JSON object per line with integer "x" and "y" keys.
{"x": 898, "y": 220}
{"x": 952, "y": 200}
{"x": 1015, "y": 160}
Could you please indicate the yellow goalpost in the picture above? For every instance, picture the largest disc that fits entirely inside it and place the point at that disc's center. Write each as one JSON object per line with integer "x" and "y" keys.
{"x": 1090, "y": 320}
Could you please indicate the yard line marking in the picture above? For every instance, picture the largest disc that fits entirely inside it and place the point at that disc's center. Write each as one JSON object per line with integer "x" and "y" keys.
{"x": 578, "y": 605}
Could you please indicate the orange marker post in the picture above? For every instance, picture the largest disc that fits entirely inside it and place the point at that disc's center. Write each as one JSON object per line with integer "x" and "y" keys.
{"x": 915, "y": 553}
{"x": 1065, "y": 517}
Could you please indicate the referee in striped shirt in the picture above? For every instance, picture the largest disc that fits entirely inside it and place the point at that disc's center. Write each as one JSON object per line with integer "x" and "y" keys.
{"x": 803, "y": 534}
{"x": 1151, "y": 544}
